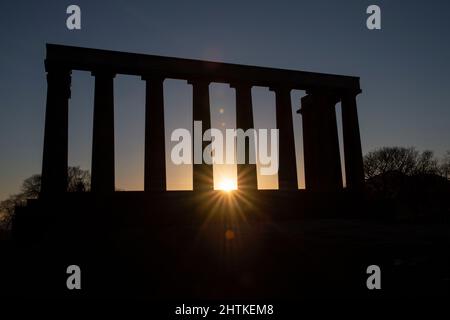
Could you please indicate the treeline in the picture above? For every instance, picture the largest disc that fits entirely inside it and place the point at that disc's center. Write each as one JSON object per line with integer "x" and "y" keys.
{"x": 405, "y": 184}
{"x": 399, "y": 181}
{"x": 78, "y": 180}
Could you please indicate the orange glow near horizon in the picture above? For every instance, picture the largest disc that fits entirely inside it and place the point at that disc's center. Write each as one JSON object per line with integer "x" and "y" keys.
{"x": 227, "y": 185}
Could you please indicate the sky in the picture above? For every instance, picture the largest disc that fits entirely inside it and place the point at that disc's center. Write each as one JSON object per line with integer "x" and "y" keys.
{"x": 403, "y": 68}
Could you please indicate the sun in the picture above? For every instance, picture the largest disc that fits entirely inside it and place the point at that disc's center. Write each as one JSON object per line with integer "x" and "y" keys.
{"x": 227, "y": 185}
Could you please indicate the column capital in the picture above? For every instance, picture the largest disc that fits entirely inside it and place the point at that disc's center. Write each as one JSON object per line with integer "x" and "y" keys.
{"x": 153, "y": 77}
{"x": 58, "y": 70}
{"x": 304, "y": 102}
{"x": 62, "y": 79}
{"x": 198, "y": 81}
{"x": 103, "y": 73}
{"x": 318, "y": 98}
{"x": 332, "y": 95}
{"x": 57, "y": 67}
{"x": 350, "y": 92}
{"x": 241, "y": 85}
{"x": 280, "y": 87}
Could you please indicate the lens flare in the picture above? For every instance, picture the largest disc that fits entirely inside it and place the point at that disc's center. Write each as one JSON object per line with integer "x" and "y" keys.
{"x": 227, "y": 185}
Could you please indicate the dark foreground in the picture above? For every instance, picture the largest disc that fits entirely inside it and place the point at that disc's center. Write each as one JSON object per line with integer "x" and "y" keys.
{"x": 220, "y": 246}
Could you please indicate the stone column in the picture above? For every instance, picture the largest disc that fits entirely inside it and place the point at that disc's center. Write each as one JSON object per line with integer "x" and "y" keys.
{"x": 247, "y": 176}
{"x": 102, "y": 173}
{"x": 155, "y": 154}
{"x": 54, "y": 161}
{"x": 287, "y": 172}
{"x": 202, "y": 173}
{"x": 354, "y": 168}
{"x": 321, "y": 142}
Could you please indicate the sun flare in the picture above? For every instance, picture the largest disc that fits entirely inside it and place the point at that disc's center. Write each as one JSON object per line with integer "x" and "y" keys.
{"x": 227, "y": 185}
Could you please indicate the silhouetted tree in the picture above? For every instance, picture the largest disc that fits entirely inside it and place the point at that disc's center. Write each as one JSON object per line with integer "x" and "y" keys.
{"x": 7, "y": 208}
{"x": 405, "y": 182}
{"x": 78, "y": 180}
{"x": 426, "y": 164}
{"x": 31, "y": 187}
{"x": 445, "y": 165}
{"x": 399, "y": 160}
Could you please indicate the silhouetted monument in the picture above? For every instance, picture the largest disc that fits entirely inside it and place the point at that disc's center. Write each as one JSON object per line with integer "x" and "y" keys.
{"x": 321, "y": 146}
{"x": 158, "y": 243}
{"x": 203, "y": 244}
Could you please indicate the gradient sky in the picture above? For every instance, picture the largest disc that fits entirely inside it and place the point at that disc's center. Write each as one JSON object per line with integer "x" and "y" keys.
{"x": 404, "y": 70}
